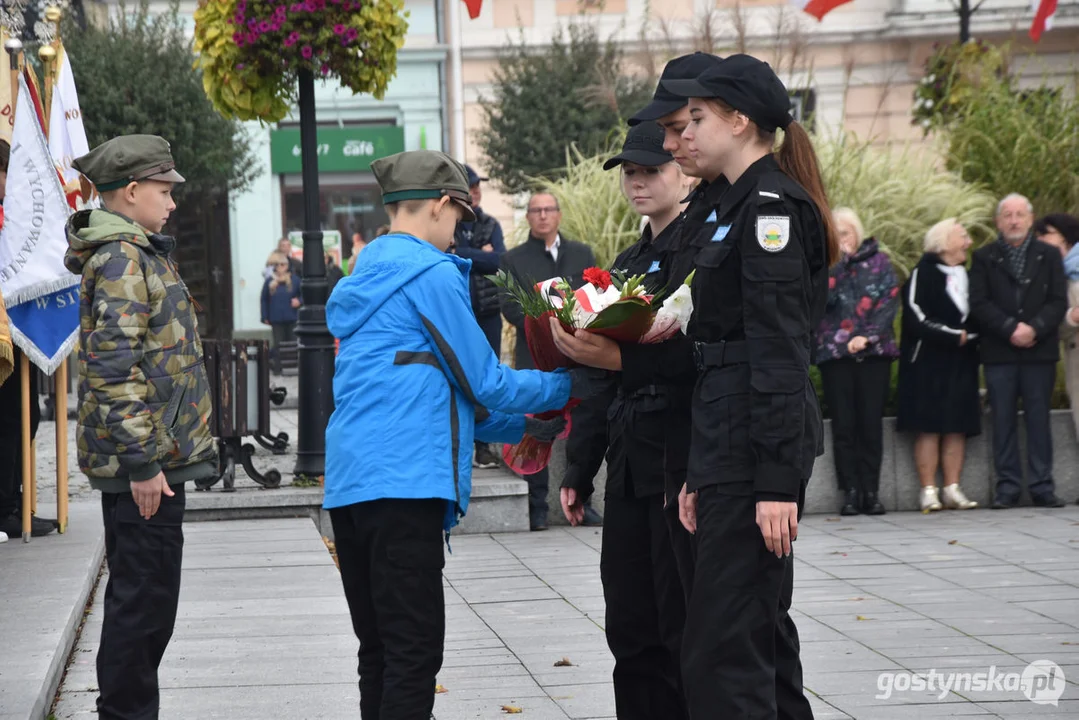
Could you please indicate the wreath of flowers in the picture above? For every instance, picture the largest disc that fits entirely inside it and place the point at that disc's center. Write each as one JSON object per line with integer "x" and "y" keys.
{"x": 953, "y": 73}
{"x": 251, "y": 51}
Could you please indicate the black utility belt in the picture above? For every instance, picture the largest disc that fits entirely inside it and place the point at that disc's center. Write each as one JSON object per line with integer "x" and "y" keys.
{"x": 720, "y": 354}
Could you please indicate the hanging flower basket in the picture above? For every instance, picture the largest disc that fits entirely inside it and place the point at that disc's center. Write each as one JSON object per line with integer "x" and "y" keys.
{"x": 251, "y": 51}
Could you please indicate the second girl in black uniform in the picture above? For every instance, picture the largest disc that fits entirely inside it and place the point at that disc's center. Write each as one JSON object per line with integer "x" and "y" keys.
{"x": 641, "y": 585}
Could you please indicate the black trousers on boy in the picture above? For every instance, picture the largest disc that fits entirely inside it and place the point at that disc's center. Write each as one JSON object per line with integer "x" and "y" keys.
{"x": 144, "y": 558}
{"x": 856, "y": 393}
{"x": 740, "y": 653}
{"x": 646, "y": 609}
{"x": 391, "y": 558}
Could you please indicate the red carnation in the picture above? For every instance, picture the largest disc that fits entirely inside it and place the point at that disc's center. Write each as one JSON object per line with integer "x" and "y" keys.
{"x": 598, "y": 278}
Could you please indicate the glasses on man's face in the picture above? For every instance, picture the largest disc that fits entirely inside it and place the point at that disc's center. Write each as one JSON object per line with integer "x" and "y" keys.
{"x": 550, "y": 210}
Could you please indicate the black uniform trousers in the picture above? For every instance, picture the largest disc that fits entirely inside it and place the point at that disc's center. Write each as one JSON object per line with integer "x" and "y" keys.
{"x": 144, "y": 558}
{"x": 645, "y": 607}
{"x": 391, "y": 558}
{"x": 740, "y": 656}
{"x": 1033, "y": 382}
{"x": 856, "y": 393}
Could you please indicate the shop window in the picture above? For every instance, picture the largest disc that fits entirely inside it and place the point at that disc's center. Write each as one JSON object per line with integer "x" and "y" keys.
{"x": 347, "y": 209}
{"x": 803, "y": 106}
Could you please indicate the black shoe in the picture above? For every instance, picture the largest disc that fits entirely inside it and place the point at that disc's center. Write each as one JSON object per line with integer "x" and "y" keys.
{"x": 851, "y": 503}
{"x": 1049, "y": 501}
{"x": 484, "y": 459}
{"x": 537, "y": 526}
{"x": 591, "y": 517}
{"x": 872, "y": 505}
{"x": 39, "y": 527}
{"x": 1003, "y": 504}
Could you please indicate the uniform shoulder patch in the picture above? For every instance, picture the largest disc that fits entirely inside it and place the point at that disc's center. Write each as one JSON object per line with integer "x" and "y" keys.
{"x": 773, "y": 232}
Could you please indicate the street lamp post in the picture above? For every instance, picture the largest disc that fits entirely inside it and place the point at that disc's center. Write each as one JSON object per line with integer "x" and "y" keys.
{"x": 316, "y": 343}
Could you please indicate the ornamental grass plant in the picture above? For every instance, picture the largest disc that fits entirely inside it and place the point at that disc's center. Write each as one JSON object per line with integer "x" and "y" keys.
{"x": 899, "y": 193}
{"x": 1020, "y": 141}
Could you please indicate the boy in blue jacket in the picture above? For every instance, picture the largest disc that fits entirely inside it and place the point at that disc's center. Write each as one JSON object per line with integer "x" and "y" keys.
{"x": 415, "y": 383}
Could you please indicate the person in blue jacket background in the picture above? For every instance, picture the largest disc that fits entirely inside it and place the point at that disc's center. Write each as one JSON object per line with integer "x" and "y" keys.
{"x": 415, "y": 382}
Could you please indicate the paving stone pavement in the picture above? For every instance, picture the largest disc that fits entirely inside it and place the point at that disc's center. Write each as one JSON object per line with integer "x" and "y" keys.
{"x": 264, "y": 632}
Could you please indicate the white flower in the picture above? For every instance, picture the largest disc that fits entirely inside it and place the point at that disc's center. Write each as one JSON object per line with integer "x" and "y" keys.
{"x": 679, "y": 305}
{"x": 928, "y": 104}
{"x": 931, "y": 79}
{"x": 926, "y": 123}
{"x": 591, "y": 302}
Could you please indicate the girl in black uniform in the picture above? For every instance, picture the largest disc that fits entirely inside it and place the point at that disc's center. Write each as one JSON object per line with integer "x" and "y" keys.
{"x": 760, "y": 288}
{"x": 629, "y": 423}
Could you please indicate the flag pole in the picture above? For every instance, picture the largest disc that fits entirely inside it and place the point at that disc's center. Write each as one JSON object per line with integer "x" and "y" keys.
{"x": 49, "y": 55}
{"x": 14, "y": 48}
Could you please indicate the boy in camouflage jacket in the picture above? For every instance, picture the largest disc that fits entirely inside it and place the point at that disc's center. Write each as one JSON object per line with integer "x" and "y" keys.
{"x": 144, "y": 407}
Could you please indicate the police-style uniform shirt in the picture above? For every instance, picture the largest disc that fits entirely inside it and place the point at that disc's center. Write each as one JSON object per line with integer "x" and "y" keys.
{"x": 760, "y": 287}
{"x": 627, "y": 420}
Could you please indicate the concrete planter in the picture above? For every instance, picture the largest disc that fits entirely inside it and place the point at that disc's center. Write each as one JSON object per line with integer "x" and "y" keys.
{"x": 899, "y": 485}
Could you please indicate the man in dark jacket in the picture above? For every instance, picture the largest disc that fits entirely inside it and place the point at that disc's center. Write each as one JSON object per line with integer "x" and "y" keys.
{"x": 546, "y": 254}
{"x": 482, "y": 243}
{"x": 1018, "y": 295}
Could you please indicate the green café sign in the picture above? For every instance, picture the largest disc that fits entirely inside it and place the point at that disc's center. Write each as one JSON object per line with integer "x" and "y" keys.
{"x": 350, "y": 149}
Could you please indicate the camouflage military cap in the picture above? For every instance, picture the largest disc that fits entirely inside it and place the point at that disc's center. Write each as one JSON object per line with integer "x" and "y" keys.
{"x": 423, "y": 175}
{"x": 128, "y": 158}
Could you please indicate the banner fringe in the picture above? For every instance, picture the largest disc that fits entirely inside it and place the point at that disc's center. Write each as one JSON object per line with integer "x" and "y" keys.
{"x": 47, "y": 287}
{"x": 34, "y": 354}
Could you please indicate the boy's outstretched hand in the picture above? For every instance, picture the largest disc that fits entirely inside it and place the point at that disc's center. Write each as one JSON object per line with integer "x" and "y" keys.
{"x": 545, "y": 430}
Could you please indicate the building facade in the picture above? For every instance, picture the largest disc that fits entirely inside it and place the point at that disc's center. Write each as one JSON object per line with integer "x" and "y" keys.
{"x": 855, "y": 71}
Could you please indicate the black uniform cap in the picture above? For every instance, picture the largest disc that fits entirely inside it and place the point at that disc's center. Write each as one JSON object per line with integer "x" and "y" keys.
{"x": 748, "y": 85}
{"x": 423, "y": 175}
{"x": 664, "y": 102}
{"x": 643, "y": 146}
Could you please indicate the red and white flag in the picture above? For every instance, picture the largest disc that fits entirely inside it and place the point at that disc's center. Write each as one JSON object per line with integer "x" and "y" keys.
{"x": 1043, "y": 18}
{"x": 818, "y": 8}
{"x": 473, "y": 8}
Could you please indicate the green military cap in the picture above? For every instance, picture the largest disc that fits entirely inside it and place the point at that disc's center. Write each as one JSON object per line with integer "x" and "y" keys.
{"x": 126, "y": 159}
{"x": 423, "y": 175}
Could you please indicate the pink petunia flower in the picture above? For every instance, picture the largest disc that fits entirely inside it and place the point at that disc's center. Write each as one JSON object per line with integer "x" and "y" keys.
{"x": 325, "y": 70}
{"x": 338, "y": 29}
{"x": 352, "y": 34}
{"x": 307, "y": 52}
{"x": 264, "y": 26}
{"x": 238, "y": 38}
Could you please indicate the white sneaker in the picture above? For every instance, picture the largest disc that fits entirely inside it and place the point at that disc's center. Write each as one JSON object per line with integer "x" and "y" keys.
{"x": 3, "y": 537}
{"x": 954, "y": 499}
{"x": 930, "y": 499}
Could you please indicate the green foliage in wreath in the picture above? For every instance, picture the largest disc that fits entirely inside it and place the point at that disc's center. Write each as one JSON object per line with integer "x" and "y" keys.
{"x": 953, "y": 74}
{"x": 250, "y": 51}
